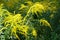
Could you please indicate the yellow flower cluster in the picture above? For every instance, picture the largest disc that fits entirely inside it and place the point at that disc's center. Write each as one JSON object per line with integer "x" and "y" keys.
{"x": 37, "y": 7}
{"x": 45, "y": 23}
{"x": 13, "y": 21}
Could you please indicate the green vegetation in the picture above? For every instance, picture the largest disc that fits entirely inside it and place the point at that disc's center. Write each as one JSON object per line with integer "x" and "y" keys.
{"x": 29, "y": 19}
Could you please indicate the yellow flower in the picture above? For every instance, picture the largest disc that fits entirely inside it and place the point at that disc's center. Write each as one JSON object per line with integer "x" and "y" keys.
{"x": 29, "y": 3}
{"x": 34, "y": 32}
{"x": 22, "y": 6}
{"x": 13, "y": 19}
{"x": 37, "y": 7}
{"x": 44, "y": 22}
{"x": 23, "y": 29}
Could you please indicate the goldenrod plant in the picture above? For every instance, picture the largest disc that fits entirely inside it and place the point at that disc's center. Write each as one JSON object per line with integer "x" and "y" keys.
{"x": 29, "y": 20}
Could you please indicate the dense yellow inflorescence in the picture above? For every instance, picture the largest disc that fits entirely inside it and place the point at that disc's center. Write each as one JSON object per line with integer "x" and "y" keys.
{"x": 23, "y": 29}
{"x": 37, "y": 7}
{"x": 13, "y": 19}
{"x": 45, "y": 23}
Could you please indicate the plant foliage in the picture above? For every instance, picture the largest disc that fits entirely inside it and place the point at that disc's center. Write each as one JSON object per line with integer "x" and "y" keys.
{"x": 29, "y": 20}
